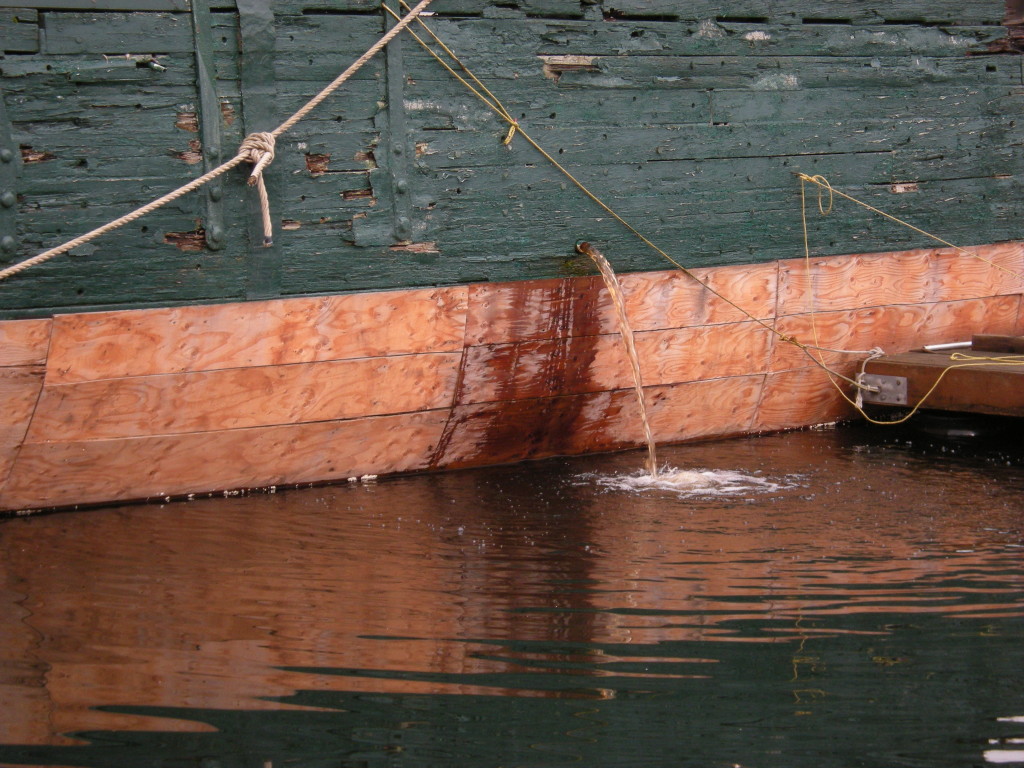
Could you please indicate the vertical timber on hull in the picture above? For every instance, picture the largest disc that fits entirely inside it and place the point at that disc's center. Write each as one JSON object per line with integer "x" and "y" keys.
{"x": 688, "y": 117}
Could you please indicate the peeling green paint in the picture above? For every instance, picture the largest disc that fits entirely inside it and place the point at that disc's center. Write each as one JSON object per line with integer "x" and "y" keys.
{"x": 689, "y": 119}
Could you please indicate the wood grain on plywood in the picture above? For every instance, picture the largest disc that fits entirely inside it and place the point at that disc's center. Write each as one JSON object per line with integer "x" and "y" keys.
{"x": 672, "y": 299}
{"x": 857, "y": 281}
{"x": 800, "y": 398}
{"x": 24, "y": 342}
{"x": 201, "y": 338}
{"x": 581, "y": 364}
{"x": 490, "y": 433}
{"x": 894, "y": 328}
{"x": 96, "y": 471}
{"x": 546, "y": 309}
{"x": 244, "y": 397}
{"x": 19, "y": 390}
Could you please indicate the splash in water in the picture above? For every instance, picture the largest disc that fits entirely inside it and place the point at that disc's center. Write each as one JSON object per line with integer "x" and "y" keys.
{"x": 694, "y": 482}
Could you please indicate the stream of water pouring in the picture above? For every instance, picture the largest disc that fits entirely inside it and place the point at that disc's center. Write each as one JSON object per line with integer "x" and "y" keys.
{"x": 615, "y": 290}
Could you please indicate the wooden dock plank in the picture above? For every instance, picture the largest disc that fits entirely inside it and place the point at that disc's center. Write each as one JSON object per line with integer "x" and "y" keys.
{"x": 238, "y": 398}
{"x": 977, "y": 382}
{"x": 106, "y": 345}
{"x": 95, "y": 471}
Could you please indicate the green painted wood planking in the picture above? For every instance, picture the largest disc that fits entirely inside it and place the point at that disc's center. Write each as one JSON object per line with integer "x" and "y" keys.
{"x": 897, "y": 101}
{"x": 19, "y": 30}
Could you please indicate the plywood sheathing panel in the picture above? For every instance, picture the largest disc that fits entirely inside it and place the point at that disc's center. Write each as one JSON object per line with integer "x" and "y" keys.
{"x": 894, "y": 328}
{"x": 906, "y": 277}
{"x": 600, "y": 421}
{"x": 88, "y": 472}
{"x": 23, "y": 347}
{"x": 105, "y": 345}
{"x": 800, "y": 398}
{"x": 19, "y": 390}
{"x": 542, "y": 309}
{"x": 244, "y": 397}
{"x": 576, "y": 365}
{"x": 24, "y": 342}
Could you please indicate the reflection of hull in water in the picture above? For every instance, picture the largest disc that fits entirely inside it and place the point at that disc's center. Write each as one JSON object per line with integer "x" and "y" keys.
{"x": 167, "y": 402}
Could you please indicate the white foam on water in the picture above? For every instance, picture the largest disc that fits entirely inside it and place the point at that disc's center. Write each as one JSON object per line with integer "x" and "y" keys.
{"x": 694, "y": 482}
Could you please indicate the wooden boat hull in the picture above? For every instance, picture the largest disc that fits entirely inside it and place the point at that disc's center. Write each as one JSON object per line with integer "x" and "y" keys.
{"x": 115, "y": 406}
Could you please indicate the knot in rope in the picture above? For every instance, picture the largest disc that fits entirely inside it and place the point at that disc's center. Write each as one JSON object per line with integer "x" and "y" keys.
{"x": 258, "y": 149}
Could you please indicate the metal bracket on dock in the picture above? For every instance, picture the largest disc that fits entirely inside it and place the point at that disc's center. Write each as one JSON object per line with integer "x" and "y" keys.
{"x": 889, "y": 390}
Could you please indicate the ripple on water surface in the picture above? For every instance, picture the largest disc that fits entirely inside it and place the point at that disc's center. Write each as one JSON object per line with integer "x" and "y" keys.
{"x": 802, "y": 600}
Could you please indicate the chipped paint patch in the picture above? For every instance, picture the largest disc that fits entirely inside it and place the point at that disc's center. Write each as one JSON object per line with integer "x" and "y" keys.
{"x": 554, "y": 66}
{"x": 902, "y": 187}
{"x": 777, "y": 82}
{"x": 416, "y": 248}
{"x": 187, "y": 241}
{"x": 187, "y": 121}
{"x": 317, "y": 164}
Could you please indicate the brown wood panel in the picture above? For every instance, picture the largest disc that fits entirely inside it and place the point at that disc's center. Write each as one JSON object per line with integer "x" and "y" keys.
{"x": 975, "y": 385}
{"x": 106, "y": 345}
{"x": 989, "y": 342}
{"x": 853, "y": 282}
{"x": 594, "y": 363}
{"x": 492, "y": 433}
{"x": 244, "y": 397}
{"x": 62, "y": 474}
{"x": 801, "y": 398}
{"x": 546, "y": 309}
{"x": 660, "y": 300}
{"x": 24, "y": 342}
{"x": 896, "y": 328}
{"x": 903, "y": 277}
{"x": 19, "y": 390}
{"x": 963, "y": 277}
{"x": 537, "y": 309}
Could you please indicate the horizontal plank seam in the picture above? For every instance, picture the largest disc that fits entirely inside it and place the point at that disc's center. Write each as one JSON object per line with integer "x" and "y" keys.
{"x": 253, "y": 427}
{"x": 201, "y": 371}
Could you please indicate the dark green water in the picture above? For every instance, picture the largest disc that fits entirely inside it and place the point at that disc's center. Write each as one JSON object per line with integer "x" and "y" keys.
{"x": 855, "y": 605}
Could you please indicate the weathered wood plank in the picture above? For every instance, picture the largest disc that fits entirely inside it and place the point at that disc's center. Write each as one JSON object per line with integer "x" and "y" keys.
{"x": 203, "y": 338}
{"x": 61, "y": 474}
{"x": 24, "y": 342}
{"x": 580, "y": 364}
{"x": 116, "y": 33}
{"x": 990, "y": 342}
{"x": 244, "y": 397}
{"x": 19, "y": 30}
{"x": 978, "y": 384}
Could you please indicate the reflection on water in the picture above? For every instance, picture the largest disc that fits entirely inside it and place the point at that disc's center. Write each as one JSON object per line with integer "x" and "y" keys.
{"x": 851, "y": 605}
